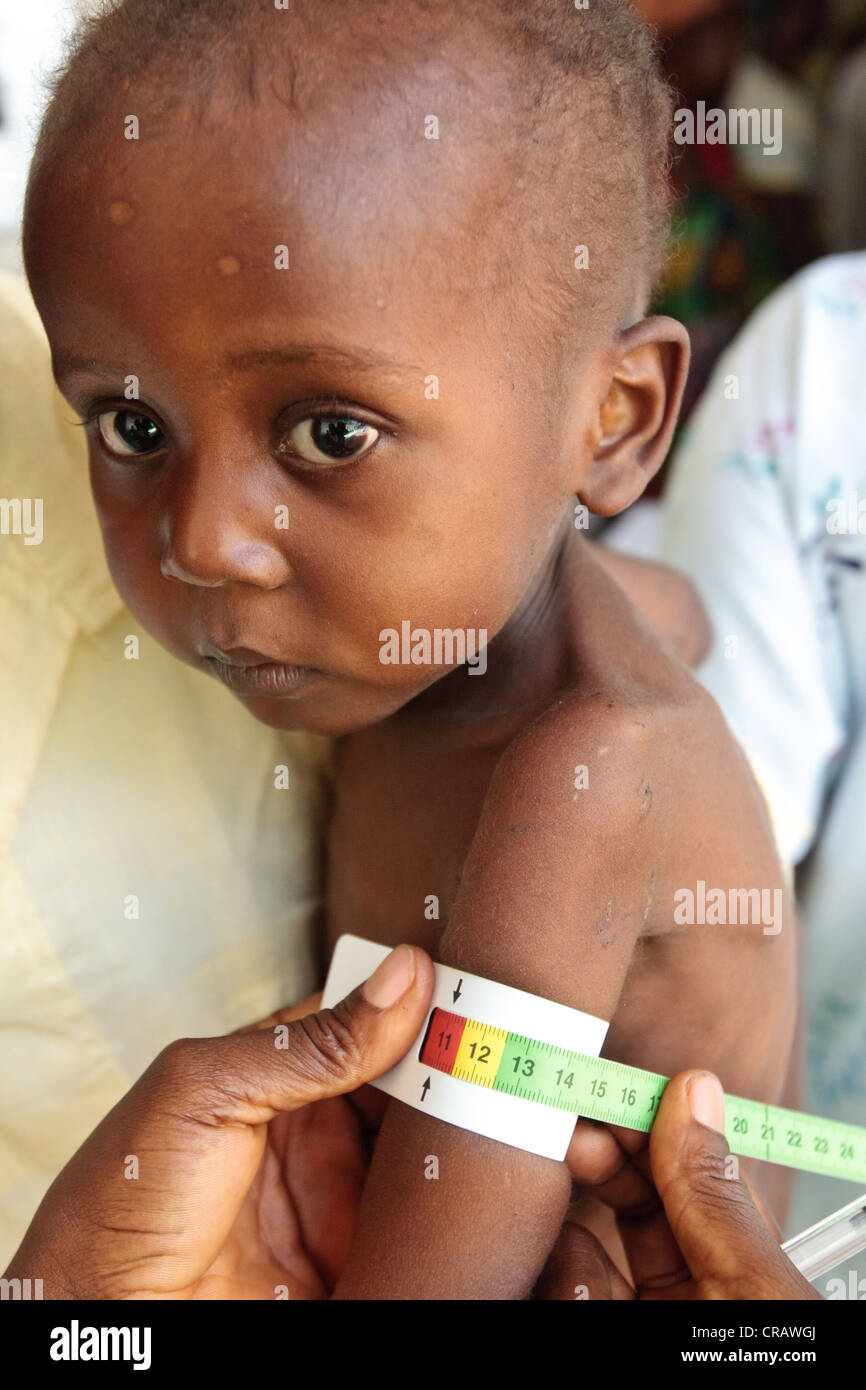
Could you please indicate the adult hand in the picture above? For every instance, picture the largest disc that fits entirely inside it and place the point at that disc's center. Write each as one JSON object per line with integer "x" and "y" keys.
{"x": 234, "y": 1167}
{"x": 689, "y": 1224}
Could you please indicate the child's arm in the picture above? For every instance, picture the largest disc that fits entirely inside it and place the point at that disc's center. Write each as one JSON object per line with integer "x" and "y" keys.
{"x": 554, "y": 892}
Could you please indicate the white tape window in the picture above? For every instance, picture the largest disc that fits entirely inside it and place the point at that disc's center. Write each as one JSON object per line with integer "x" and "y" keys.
{"x": 524, "y": 1124}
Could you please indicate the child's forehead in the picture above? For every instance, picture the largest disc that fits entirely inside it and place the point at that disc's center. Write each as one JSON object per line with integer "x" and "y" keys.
{"x": 170, "y": 267}
{"x": 343, "y": 94}
{"x": 347, "y": 199}
{"x": 469, "y": 145}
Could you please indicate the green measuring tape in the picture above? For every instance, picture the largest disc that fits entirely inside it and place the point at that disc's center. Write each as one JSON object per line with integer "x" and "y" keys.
{"x": 599, "y": 1089}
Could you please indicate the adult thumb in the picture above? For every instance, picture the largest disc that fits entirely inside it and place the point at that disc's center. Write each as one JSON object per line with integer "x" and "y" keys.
{"x": 247, "y": 1078}
{"x": 332, "y": 1051}
{"x": 725, "y": 1242}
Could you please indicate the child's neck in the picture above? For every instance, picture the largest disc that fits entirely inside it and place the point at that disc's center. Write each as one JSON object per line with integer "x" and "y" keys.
{"x": 527, "y": 661}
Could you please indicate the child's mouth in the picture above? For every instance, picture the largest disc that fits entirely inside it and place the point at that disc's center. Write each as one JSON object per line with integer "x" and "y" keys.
{"x": 263, "y": 677}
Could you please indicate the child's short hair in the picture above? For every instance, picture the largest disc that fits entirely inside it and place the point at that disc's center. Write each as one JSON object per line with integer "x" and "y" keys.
{"x": 588, "y": 131}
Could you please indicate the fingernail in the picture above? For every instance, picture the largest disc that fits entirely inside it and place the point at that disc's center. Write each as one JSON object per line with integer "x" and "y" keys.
{"x": 707, "y": 1101}
{"x": 390, "y": 980}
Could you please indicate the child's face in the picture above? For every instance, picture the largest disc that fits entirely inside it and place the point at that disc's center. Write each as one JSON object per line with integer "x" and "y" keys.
{"x": 160, "y": 262}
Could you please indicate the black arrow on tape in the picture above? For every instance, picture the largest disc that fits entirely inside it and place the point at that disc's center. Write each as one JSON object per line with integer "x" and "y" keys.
{"x": 424, "y": 1089}
{"x": 456, "y": 994}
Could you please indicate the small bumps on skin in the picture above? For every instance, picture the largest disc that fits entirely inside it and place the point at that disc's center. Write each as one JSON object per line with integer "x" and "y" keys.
{"x": 120, "y": 213}
{"x": 605, "y": 926}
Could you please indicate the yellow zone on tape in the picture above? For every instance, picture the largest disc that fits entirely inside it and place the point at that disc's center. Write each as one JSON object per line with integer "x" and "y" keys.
{"x": 479, "y": 1053}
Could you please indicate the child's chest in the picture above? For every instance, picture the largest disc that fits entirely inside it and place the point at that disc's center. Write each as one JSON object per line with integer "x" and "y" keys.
{"x": 402, "y": 823}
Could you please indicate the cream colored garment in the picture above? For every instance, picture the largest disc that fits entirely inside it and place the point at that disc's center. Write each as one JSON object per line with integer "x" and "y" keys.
{"x": 119, "y": 781}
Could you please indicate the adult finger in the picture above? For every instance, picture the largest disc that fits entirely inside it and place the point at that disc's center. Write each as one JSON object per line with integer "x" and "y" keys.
{"x": 724, "y": 1241}
{"x": 578, "y": 1267}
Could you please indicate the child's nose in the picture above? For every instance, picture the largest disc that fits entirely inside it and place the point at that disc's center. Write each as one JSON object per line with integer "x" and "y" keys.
{"x": 218, "y": 527}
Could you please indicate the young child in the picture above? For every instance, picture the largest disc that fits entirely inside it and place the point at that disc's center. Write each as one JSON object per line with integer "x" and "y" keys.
{"x": 350, "y": 298}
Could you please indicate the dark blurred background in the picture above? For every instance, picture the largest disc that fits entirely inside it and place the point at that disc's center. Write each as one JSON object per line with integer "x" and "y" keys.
{"x": 746, "y": 221}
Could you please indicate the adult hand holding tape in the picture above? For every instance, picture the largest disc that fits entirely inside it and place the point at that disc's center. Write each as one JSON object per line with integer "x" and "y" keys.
{"x": 233, "y": 1168}
{"x": 689, "y": 1229}
{"x": 520, "y": 1069}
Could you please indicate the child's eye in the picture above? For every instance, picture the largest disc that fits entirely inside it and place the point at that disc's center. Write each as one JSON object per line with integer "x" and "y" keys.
{"x": 127, "y": 432}
{"x": 328, "y": 439}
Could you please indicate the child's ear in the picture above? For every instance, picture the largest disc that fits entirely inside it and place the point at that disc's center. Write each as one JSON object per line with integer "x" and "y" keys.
{"x": 636, "y": 419}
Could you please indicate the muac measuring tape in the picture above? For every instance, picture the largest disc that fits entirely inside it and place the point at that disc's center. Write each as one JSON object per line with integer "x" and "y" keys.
{"x": 521, "y": 1069}
{"x": 599, "y": 1089}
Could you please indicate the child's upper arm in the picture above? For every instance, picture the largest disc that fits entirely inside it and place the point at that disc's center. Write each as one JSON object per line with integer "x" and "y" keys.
{"x": 552, "y": 899}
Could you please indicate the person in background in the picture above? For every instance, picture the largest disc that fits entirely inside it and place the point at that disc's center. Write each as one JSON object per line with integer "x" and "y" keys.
{"x": 846, "y": 155}
{"x": 745, "y": 220}
{"x": 765, "y": 511}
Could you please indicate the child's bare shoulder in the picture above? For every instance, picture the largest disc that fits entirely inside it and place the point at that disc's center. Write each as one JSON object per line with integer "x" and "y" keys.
{"x": 623, "y": 755}
{"x": 631, "y": 777}
{"x": 632, "y": 741}
{"x": 622, "y": 792}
